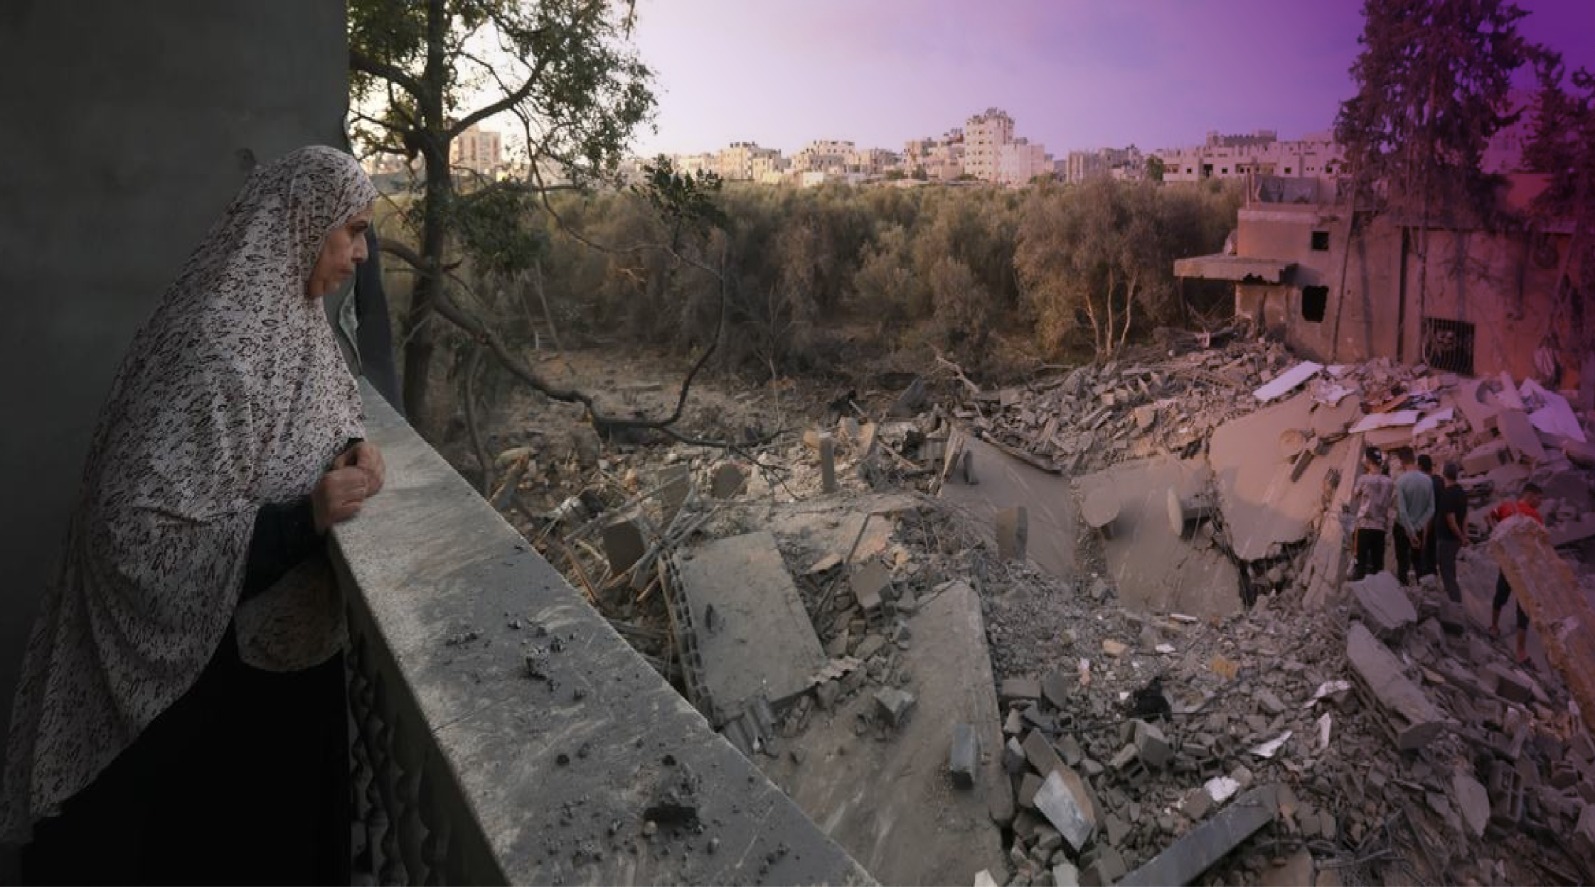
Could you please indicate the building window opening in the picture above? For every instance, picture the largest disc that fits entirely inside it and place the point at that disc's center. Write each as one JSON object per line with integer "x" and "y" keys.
{"x": 1287, "y": 170}
{"x": 1321, "y": 241}
{"x": 1448, "y": 345}
{"x": 1314, "y": 302}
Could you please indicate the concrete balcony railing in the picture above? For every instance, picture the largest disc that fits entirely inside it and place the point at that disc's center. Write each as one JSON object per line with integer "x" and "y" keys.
{"x": 507, "y": 734}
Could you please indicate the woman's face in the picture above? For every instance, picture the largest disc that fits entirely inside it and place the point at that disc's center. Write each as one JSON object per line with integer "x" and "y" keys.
{"x": 344, "y": 248}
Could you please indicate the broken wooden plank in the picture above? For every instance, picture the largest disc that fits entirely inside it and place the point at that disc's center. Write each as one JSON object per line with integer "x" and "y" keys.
{"x": 1195, "y": 852}
{"x": 1544, "y": 586}
{"x": 1414, "y": 720}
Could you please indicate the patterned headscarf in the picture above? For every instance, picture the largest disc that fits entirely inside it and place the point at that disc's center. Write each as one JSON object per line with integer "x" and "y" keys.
{"x": 232, "y": 395}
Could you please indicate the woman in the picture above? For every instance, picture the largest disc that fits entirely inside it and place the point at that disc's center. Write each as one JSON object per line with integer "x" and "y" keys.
{"x": 143, "y": 746}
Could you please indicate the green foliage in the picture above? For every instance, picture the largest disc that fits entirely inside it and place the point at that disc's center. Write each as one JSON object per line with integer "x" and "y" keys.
{"x": 886, "y": 267}
{"x": 422, "y": 73}
{"x": 1098, "y": 259}
{"x": 1155, "y": 168}
{"x": 1432, "y": 82}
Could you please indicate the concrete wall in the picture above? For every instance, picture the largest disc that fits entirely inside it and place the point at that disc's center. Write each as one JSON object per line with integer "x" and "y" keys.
{"x": 130, "y": 127}
{"x": 1372, "y": 276}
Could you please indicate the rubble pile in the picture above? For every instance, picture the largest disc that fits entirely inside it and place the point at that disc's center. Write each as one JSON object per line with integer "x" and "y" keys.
{"x": 1095, "y": 416}
{"x": 1326, "y": 732}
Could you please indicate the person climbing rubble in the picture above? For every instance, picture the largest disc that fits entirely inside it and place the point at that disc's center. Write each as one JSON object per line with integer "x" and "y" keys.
{"x": 1528, "y": 505}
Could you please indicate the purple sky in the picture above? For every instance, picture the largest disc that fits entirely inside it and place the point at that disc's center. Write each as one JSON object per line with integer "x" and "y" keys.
{"x": 1073, "y": 73}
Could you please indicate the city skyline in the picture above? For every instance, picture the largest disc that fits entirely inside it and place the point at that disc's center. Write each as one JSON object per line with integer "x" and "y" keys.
{"x": 1074, "y": 76}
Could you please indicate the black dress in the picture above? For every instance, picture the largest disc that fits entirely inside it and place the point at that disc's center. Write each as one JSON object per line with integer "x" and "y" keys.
{"x": 243, "y": 780}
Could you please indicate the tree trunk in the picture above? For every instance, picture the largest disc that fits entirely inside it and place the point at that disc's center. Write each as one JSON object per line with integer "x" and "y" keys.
{"x": 421, "y": 336}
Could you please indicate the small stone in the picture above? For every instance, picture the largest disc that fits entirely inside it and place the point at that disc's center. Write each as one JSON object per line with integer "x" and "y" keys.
{"x": 1114, "y": 648}
{"x": 1196, "y": 804}
{"x": 894, "y": 704}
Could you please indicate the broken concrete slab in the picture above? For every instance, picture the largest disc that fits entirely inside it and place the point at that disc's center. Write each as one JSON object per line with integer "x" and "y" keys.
{"x": 1521, "y": 438}
{"x": 1013, "y": 533}
{"x": 1151, "y": 745}
{"x": 1262, "y": 508}
{"x": 1469, "y": 400}
{"x": 1006, "y": 482}
{"x": 889, "y": 803}
{"x": 1288, "y": 381}
{"x": 1568, "y": 532}
{"x": 1385, "y": 605}
{"x": 1544, "y": 586}
{"x": 1327, "y": 564}
{"x": 1064, "y": 803}
{"x": 1413, "y": 719}
{"x": 1152, "y": 571}
{"x": 759, "y": 638}
{"x": 1184, "y": 861}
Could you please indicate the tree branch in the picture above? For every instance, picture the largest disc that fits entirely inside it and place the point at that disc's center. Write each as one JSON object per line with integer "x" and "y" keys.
{"x": 359, "y": 61}
{"x": 450, "y": 310}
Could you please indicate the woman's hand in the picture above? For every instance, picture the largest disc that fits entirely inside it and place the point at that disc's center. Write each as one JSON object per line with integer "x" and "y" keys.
{"x": 338, "y": 496}
{"x": 365, "y": 456}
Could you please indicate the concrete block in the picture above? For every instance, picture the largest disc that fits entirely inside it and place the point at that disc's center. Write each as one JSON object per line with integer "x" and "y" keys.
{"x": 894, "y": 704}
{"x": 728, "y": 480}
{"x": 1413, "y": 718}
{"x": 1028, "y": 787}
{"x": 1069, "y": 748}
{"x": 1020, "y": 689}
{"x": 1151, "y": 745}
{"x": 1000, "y": 802}
{"x": 964, "y": 756}
{"x": 1385, "y": 605}
{"x": 1065, "y": 875}
{"x": 623, "y": 544}
{"x": 1040, "y": 753}
{"x": 1013, "y": 757}
{"x": 1471, "y": 798}
{"x": 1509, "y": 685}
{"x": 869, "y": 584}
{"x": 1196, "y": 804}
{"x": 1063, "y": 800}
{"x": 1057, "y": 687}
{"x": 868, "y": 647}
{"x": 1107, "y": 869}
{"x": 828, "y": 463}
{"x": 1484, "y": 459}
{"x": 1013, "y": 533}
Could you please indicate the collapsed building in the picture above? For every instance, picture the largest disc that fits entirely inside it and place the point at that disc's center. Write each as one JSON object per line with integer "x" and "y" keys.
{"x": 1338, "y": 282}
{"x": 1095, "y": 628}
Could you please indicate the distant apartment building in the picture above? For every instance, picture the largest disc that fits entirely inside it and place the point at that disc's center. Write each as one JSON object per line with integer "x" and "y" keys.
{"x": 872, "y": 162}
{"x": 1020, "y": 161}
{"x": 938, "y": 159}
{"x": 1258, "y": 153}
{"x": 984, "y": 136}
{"x": 1125, "y": 164}
{"x": 825, "y": 155}
{"x": 744, "y": 161}
{"x": 478, "y": 150}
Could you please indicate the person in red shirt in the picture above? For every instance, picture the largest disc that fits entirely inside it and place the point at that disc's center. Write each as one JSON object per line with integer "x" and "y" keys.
{"x": 1528, "y": 506}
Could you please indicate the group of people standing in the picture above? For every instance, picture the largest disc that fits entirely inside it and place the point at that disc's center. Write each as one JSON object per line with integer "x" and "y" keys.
{"x": 1427, "y": 515}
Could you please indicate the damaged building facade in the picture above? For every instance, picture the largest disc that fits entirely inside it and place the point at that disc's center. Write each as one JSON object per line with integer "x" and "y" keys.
{"x": 1340, "y": 283}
